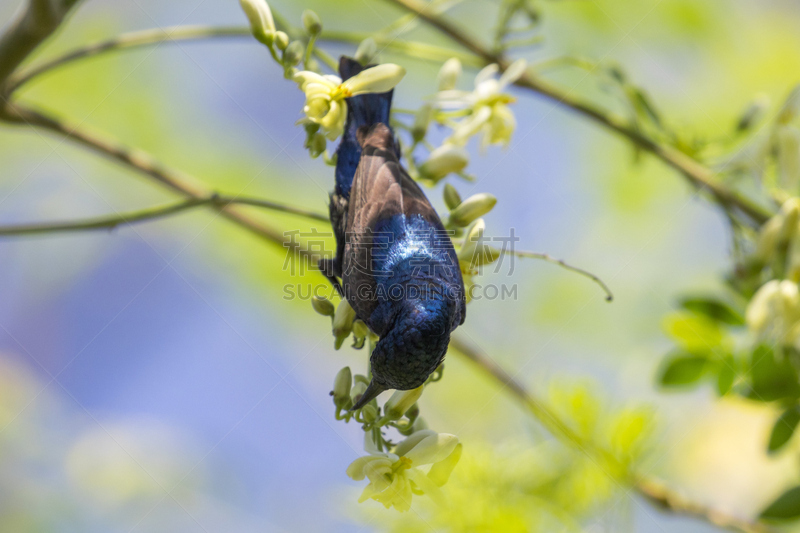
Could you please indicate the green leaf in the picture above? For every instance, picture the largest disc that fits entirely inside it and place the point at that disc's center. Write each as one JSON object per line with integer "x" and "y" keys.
{"x": 772, "y": 376}
{"x": 726, "y": 376}
{"x": 784, "y": 428}
{"x": 682, "y": 369}
{"x": 694, "y": 333}
{"x": 786, "y": 507}
{"x": 714, "y": 309}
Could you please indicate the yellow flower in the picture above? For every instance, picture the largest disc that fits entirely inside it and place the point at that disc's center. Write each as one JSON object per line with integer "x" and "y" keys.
{"x": 419, "y": 465}
{"x": 325, "y": 95}
{"x": 490, "y": 115}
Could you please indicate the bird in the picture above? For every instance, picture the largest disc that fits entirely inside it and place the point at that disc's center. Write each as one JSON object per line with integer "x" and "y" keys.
{"x": 395, "y": 259}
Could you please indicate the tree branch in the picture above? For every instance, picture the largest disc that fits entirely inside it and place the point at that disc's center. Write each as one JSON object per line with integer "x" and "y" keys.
{"x": 567, "y": 266}
{"x": 37, "y": 21}
{"x": 654, "y": 491}
{"x": 126, "y": 41}
{"x": 150, "y": 214}
{"x": 697, "y": 174}
{"x": 138, "y": 39}
{"x": 143, "y": 163}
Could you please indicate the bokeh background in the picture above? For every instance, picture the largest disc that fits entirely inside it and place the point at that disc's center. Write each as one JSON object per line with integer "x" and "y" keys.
{"x": 154, "y": 378}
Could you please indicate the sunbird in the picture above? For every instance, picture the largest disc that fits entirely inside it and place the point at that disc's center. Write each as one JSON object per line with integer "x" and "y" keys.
{"x": 396, "y": 262}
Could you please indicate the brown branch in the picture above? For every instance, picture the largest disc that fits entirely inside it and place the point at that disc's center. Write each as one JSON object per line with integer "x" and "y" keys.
{"x": 654, "y": 491}
{"x": 142, "y": 162}
{"x": 697, "y": 174}
{"x": 37, "y": 21}
{"x": 150, "y": 214}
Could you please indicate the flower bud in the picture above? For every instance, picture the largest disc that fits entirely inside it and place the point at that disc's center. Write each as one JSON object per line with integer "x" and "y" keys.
{"x": 401, "y": 401}
{"x": 343, "y": 322}
{"x": 419, "y": 425}
{"x": 472, "y": 241}
{"x": 261, "y": 23}
{"x": 360, "y": 333}
{"x": 341, "y": 388}
{"x": 370, "y": 413}
{"x": 311, "y": 22}
{"x": 357, "y": 391}
{"x": 449, "y": 74}
{"x": 322, "y": 305}
{"x": 422, "y": 120}
{"x": 472, "y": 208}
{"x": 293, "y": 53}
{"x": 444, "y": 160}
{"x": 767, "y": 239}
{"x": 313, "y": 65}
{"x": 367, "y": 50}
{"x": 281, "y": 40}
{"x": 317, "y": 143}
{"x": 451, "y": 197}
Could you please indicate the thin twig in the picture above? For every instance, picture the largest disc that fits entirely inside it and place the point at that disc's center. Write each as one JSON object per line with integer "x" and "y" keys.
{"x": 564, "y": 264}
{"x": 126, "y": 41}
{"x": 654, "y": 491}
{"x": 151, "y": 214}
{"x": 697, "y": 174}
{"x": 37, "y": 21}
{"x": 137, "y": 39}
{"x": 143, "y": 163}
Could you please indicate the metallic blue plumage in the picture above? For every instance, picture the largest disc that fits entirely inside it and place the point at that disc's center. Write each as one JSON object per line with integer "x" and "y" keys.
{"x": 398, "y": 268}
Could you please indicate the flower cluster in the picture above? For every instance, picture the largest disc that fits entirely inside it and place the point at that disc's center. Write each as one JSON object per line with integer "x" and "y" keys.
{"x": 325, "y": 95}
{"x": 487, "y": 104}
{"x": 419, "y": 465}
{"x": 325, "y": 108}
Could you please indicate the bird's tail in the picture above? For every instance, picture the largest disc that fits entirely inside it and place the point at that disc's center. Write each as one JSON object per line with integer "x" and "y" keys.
{"x": 363, "y": 110}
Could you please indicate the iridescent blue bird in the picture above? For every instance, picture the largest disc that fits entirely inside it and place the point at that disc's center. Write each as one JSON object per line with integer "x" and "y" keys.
{"x": 396, "y": 262}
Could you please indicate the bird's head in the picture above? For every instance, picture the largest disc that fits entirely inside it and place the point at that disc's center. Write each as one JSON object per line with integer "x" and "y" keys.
{"x": 413, "y": 345}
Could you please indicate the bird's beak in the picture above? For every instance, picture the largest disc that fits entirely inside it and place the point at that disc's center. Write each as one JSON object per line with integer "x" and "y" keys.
{"x": 372, "y": 392}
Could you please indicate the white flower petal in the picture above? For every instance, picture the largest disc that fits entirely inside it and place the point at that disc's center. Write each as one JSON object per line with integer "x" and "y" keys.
{"x": 378, "y": 79}
{"x": 306, "y": 76}
{"x": 432, "y": 449}
{"x": 356, "y": 469}
{"x": 427, "y": 486}
{"x": 412, "y": 440}
{"x": 486, "y": 73}
{"x": 469, "y": 126}
{"x": 514, "y": 71}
